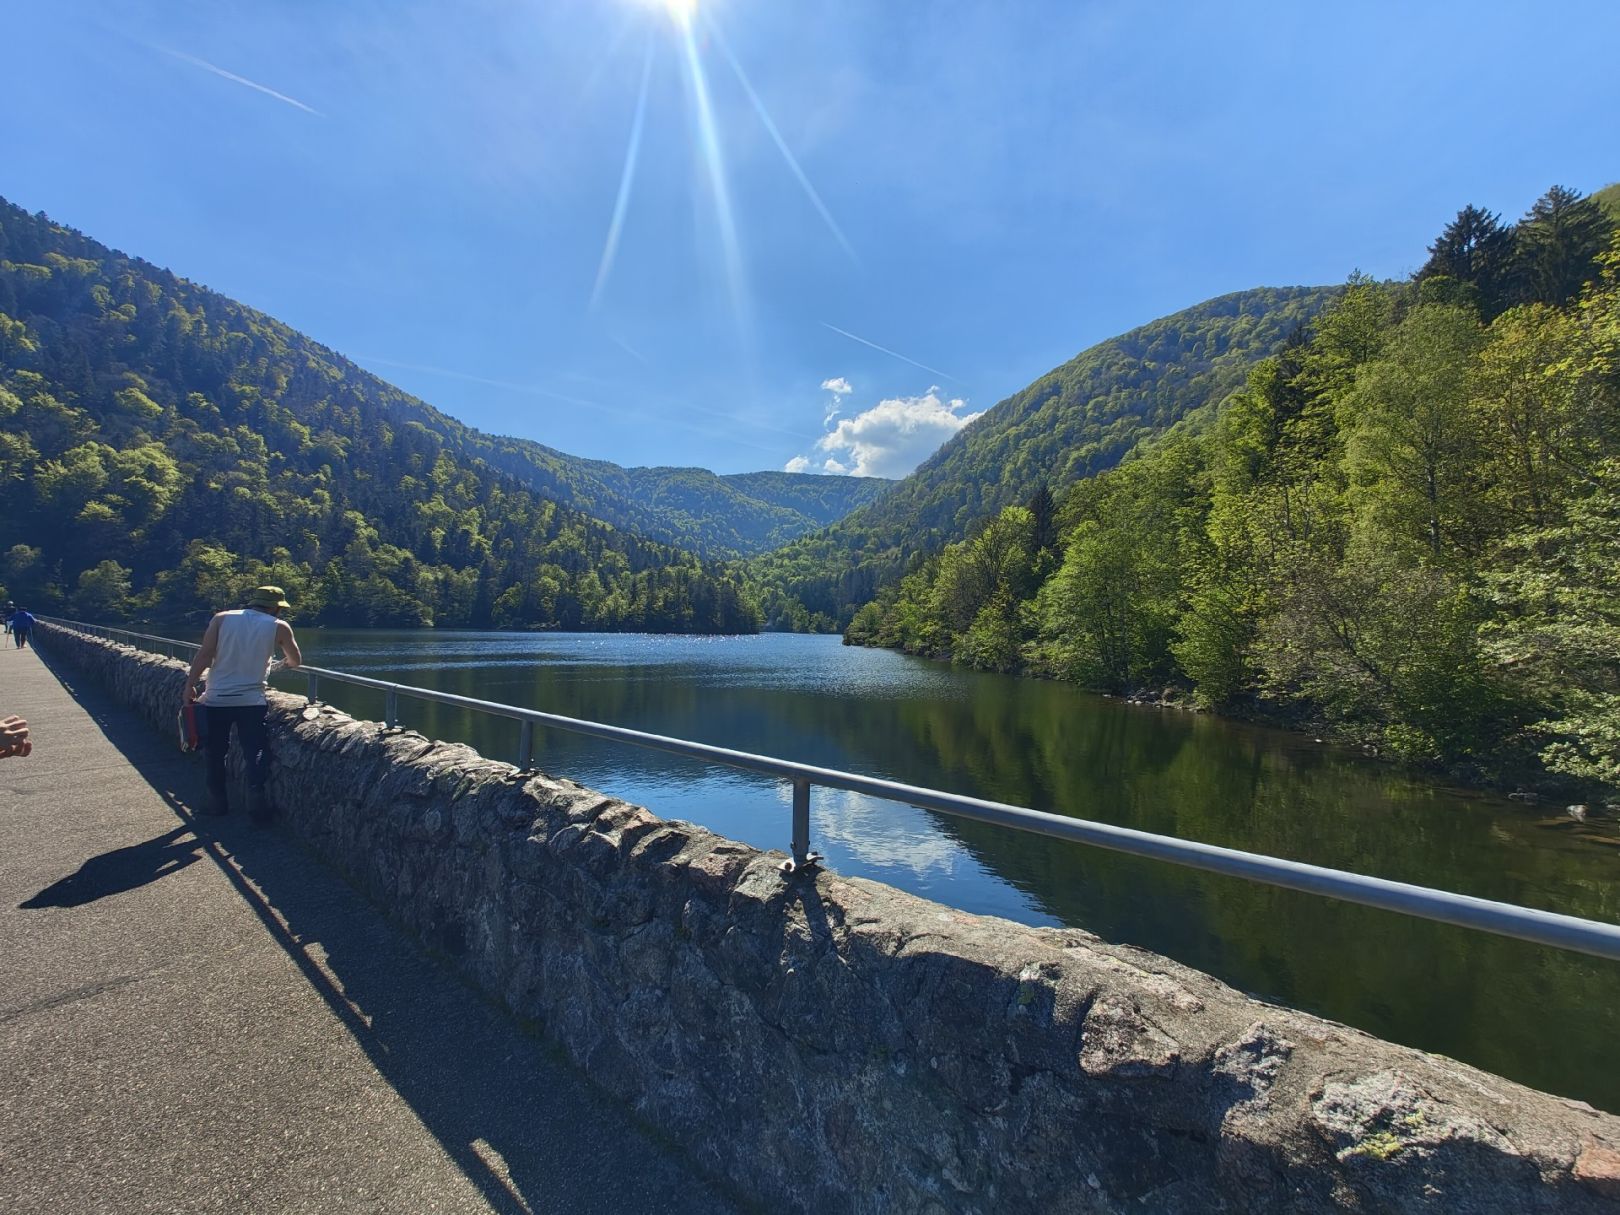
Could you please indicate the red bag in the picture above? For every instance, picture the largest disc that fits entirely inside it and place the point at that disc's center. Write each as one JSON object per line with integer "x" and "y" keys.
{"x": 193, "y": 723}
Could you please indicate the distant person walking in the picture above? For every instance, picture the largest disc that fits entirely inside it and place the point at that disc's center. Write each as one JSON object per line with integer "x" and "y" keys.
{"x": 8, "y": 613}
{"x": 237, "y": 651}
{"x": 22, "y": 624}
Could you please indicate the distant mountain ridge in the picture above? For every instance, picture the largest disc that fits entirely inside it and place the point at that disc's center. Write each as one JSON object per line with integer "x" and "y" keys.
{"x": 1077, "y": 420}
{"x": 714, "y": 515}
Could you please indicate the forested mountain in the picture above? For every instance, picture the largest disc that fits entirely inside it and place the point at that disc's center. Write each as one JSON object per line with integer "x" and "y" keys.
{"x": 1406, "y": 527}
{"x": 1072, "y": 423}
{"x": 692, "y": 508}
{"x": 823, "y": 499}
{"x": 164, "y": 446}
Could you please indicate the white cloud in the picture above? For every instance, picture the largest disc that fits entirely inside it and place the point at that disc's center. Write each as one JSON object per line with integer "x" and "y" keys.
{"x": 894, "y": 436}
{"x": 886, "y": 836}
{"x": 797, "y": 464}
{"x": 840, "y": 388}
{"x": 833, "y": 466}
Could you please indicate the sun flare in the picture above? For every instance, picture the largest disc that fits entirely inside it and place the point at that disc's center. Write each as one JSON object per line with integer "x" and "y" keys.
{"x": 680, "y": 11}
{"x": 691, "y": 38}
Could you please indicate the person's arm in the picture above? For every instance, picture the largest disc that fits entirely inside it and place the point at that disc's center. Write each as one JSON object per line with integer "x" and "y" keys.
{"x": 291, "y": 658}
{"x": 205, "y": 656}
{"x": 14, "y": 736}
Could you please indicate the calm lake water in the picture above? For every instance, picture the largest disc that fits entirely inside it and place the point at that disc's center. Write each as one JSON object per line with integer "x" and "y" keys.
{"x": 1547, "y": 1018}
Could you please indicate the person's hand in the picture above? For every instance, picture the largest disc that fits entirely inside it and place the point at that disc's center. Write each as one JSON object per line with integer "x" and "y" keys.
{"x": 14, "y": 736}
{"x": 189, "y": 696}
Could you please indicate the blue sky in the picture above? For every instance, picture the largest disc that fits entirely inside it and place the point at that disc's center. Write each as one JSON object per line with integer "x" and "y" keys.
{"x": 981, "y": 190}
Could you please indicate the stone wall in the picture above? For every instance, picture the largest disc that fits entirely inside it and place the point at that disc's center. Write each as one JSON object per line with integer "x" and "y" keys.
{"x": 833, "y": 1044}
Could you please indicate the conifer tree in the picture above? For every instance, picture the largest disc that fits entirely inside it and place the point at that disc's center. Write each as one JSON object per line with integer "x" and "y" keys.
{"x": 1556, "y": 247}
{"x": 1477, "y": 249}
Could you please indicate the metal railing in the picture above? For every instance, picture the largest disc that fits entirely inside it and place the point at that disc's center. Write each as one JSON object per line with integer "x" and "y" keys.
{"x": 1503, "y": 919}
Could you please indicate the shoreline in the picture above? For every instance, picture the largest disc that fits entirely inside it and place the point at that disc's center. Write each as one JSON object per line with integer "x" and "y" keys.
{"x": 1527, "y": 787}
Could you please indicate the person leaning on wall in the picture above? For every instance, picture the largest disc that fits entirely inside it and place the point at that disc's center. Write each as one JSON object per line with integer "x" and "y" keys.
{"x": 238, "y": 650}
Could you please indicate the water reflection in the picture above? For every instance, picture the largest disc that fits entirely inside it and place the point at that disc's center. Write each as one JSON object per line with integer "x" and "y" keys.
{"x": 1539, "y": 1015}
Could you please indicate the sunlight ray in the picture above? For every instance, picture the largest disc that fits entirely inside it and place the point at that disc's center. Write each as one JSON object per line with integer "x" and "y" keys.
{"x": 593, "y": 80}
{"x": 781, "y": 144}
{"x": 714, "y": 162}
{"x": 632, "y": 155}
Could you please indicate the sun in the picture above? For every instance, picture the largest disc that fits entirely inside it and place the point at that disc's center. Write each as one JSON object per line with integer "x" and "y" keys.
{"x": 680, "y": 11}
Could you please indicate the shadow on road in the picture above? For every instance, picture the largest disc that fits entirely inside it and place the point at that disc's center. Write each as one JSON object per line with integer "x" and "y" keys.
{"x": 525, "y": 1127}
{"x": 120, "y": 870}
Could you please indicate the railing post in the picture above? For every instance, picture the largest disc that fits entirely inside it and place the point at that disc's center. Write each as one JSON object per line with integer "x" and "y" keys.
{"x": 803, "y": 858}
{"x": 313, "y": 689}
{"x": 525, "y": 745}
{"x": 391, "y": 709}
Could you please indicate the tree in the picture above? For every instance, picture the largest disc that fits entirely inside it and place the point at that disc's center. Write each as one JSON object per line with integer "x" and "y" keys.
{"x": 1558, "y": 640}
{"x": 1087, "y": 609}
{"x": 1413, "y": 439}
{"x": 1108, "y": 616}
{"x": 1387, "y": 648}
{"x": 103, "y": 593}
{"x": 1348, "y": 334}
{"x": 1556, "y": 247}
{"x": 1477, "y": 249}
{"x": 971, "y": 573}
{"x": 1043, "y": 515}
{"x": 1535, "y": 433}
{"x": 23, "y": 569}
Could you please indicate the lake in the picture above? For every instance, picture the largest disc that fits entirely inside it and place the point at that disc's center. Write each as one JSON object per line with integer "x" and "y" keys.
{"x": 1541, "y": 1016}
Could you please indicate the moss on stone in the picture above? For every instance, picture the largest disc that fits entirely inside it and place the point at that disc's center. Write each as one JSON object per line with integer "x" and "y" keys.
{"x": 1381, "y": 1145}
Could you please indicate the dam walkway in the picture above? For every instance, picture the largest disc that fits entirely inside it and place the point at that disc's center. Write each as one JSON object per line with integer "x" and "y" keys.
{"x": 196, "y": 1015}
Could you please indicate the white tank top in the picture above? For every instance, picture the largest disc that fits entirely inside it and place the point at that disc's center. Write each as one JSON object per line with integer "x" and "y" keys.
{"x": 247, "y": 643}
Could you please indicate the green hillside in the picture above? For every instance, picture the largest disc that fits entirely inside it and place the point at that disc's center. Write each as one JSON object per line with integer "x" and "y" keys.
{"x": 1072, "y": 423}
{"x": 163, "y": 446}
{"x": 731, "y": 515}
{"x": 824, "y": 499}
{"x": 1404, "y": 529}
{"x": 717, "y": 516}
{"x": 1609, "y": 199}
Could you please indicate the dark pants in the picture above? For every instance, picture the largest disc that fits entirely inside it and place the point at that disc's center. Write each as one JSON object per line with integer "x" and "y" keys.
{"x": 22, "y": 637}
{"x": 251, "y": 736}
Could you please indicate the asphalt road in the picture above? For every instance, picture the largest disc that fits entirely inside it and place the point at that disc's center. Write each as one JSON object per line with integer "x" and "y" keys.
{"x": 196, "y": 1015}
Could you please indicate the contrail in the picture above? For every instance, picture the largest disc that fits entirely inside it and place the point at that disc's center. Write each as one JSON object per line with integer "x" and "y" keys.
{"x": 781, "y": 144}
{"x": 632, "y": 154}
{"x": 252, "y": 84}
{"x": 629, "y": 349}
{"x": 892, "y": 353}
